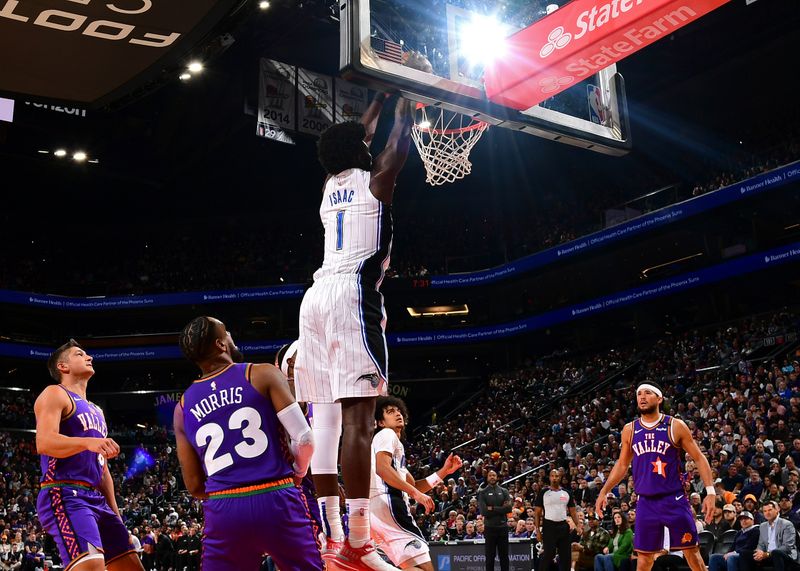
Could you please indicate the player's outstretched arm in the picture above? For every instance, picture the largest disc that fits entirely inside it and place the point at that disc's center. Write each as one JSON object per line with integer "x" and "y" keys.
{"x": 272, "y": 384}
{"x": 193, "y": 475}
{"x": 683, "y": 438}
{"x": 619, "y": 470}
{"x": 452, "y": 464}
{"x": 50, "y": 407}
{"x": 390, "y": 162}
{"x": 385, "y": 471}
{"x": 370, "y": 117}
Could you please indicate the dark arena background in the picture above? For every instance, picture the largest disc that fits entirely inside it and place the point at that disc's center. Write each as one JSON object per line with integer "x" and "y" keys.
{"x": 525, "y": 302}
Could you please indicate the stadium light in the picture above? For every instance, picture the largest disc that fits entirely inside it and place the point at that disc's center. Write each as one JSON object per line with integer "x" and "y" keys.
{"x": 195, "y": 67}
{"x": 60, "y": 153}
{"x": 438, "y": 310}
{"x": 263, "y": 4}
{"x": 185, "y": 76}
{"x": 79, "y": 157}
{"x": 483, "y": 40}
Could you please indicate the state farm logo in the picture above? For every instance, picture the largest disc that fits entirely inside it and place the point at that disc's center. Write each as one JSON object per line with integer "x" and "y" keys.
{"x": 556, "y": 40}
{"x": 552, "y": 84}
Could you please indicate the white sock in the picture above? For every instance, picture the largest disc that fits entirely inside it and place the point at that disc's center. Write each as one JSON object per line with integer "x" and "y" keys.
{"x": 331, "y": 517}
{"x": 358, "y": 521}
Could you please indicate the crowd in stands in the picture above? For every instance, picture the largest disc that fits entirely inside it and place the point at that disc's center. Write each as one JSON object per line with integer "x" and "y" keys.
{"x": 741, "y": 402}
{"x": 174, "y": 256}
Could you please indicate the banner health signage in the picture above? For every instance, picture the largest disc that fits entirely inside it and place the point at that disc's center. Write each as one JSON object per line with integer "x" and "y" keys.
{"x": 706, "y": 276}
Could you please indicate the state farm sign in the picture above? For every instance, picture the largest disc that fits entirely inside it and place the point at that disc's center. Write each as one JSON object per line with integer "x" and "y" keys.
{"x": 578, "y": 40}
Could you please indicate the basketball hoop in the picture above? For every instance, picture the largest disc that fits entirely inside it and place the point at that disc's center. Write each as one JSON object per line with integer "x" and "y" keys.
{"x": 444, "y": 140}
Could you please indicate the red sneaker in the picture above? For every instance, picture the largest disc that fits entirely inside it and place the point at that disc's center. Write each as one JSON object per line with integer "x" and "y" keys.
{"x": 331, "y": 549}
{"x": 364, "y": 558}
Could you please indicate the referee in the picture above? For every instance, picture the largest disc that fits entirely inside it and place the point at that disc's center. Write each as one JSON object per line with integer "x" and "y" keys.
{"x": 552, "y": 504}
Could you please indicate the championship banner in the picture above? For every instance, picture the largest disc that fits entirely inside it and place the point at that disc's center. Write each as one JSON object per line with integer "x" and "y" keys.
{"x": 578, "y": 40}
{"x": 277, "y": 92}
{"x": 469, "y": 556}
{"x": 351, "y": 101}
{"x": 314, "y": 102}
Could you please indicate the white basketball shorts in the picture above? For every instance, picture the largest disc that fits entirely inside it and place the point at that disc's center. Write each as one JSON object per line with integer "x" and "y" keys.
{"x": 394, "y": 530}
{"x": 342, "y": 347}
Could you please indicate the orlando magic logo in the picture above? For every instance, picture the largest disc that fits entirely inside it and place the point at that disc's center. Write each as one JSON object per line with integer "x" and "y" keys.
{"x": 372, "y": 378}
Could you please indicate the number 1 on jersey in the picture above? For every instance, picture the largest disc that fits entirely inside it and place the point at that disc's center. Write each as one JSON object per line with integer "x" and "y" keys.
{"x": 339, "y": 229}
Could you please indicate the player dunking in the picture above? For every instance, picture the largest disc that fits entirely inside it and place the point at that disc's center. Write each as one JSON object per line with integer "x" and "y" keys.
{"x": 655, "y": 442}
{"x": 76, "y": 503}
{"x": 392, "y": 524}
{"x": 227, "y": 426}
{"x": 342, "y": 356}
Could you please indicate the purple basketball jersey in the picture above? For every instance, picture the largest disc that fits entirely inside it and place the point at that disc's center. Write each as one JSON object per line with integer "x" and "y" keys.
{"x": 657, "y": 467}
{"x": 85, "y": 421}
{"x": 234, "y": 430}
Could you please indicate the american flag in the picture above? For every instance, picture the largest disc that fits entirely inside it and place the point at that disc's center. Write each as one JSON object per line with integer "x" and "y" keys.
{"x": 387, "y": 49}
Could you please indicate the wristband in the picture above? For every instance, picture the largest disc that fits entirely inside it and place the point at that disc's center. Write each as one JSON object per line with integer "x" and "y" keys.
{"x": 433, "y": 479}
{"x": 711, "y": 491}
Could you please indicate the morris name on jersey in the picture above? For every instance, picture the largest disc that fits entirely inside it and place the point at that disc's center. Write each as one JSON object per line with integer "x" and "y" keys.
{"x": 212, "y": 402}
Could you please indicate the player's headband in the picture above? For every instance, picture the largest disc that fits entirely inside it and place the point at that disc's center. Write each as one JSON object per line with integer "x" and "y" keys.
{"x": 651, "y": 388}
{"x": 290, "y": 352}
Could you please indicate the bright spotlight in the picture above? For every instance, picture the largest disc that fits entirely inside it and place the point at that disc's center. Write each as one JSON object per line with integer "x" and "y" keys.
{"x": 185, "y": 76}
{"x": 60, "y": 153}
{"x": 483, "y": 40}
{"x": 195, "y": 67}
{"x": 79, "y": 156}
{"x": 263, "y": 4}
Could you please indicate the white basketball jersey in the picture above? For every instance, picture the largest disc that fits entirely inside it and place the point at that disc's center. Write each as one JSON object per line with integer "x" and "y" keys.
{"x": 386, "y": 440}
{"x": 358, "y": 228}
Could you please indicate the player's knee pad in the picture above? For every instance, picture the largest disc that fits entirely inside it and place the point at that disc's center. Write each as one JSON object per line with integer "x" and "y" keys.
{"x": 327, "y": 427}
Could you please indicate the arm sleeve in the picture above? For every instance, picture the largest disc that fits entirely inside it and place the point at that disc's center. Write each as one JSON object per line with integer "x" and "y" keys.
{"x": 571, "y": 502}
{"x": 539, "y": 503}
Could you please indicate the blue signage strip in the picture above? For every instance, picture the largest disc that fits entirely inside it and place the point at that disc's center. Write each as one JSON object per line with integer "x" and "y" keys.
{"x": 750, "y": 187}
{"x": 158, "y": 300}
{"x": 706, "y": 276}
{"x": 154, "y": 353}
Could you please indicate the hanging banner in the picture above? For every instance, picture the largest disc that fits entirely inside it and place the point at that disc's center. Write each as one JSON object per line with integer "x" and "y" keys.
{"x": 351, "y": 101}
{"x": 277, "y": 91}
{"x": 314, "y": 102}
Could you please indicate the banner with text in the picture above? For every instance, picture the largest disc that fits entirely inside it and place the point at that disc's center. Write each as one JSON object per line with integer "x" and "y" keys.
{"x": 706, "y": 276}
{"x": 277, "y": 92}
{"x": 756, "y": 185}
{"x": 579, "y": 39}
{"x": 469, "y": 556}
{"x": 351, "y": 101}
{"x": 314, "y": 102}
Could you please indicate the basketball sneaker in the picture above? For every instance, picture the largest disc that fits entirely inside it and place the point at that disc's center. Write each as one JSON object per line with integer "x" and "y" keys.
{"x": 364, "y": 558}
{"x": 331, "y": 549}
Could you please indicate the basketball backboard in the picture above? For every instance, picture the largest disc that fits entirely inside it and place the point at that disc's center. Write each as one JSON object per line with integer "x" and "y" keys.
{"x": 459, "y": 37}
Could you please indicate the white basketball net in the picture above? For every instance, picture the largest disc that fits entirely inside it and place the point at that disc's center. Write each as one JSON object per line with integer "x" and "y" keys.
{"x": 444, "y": 140}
